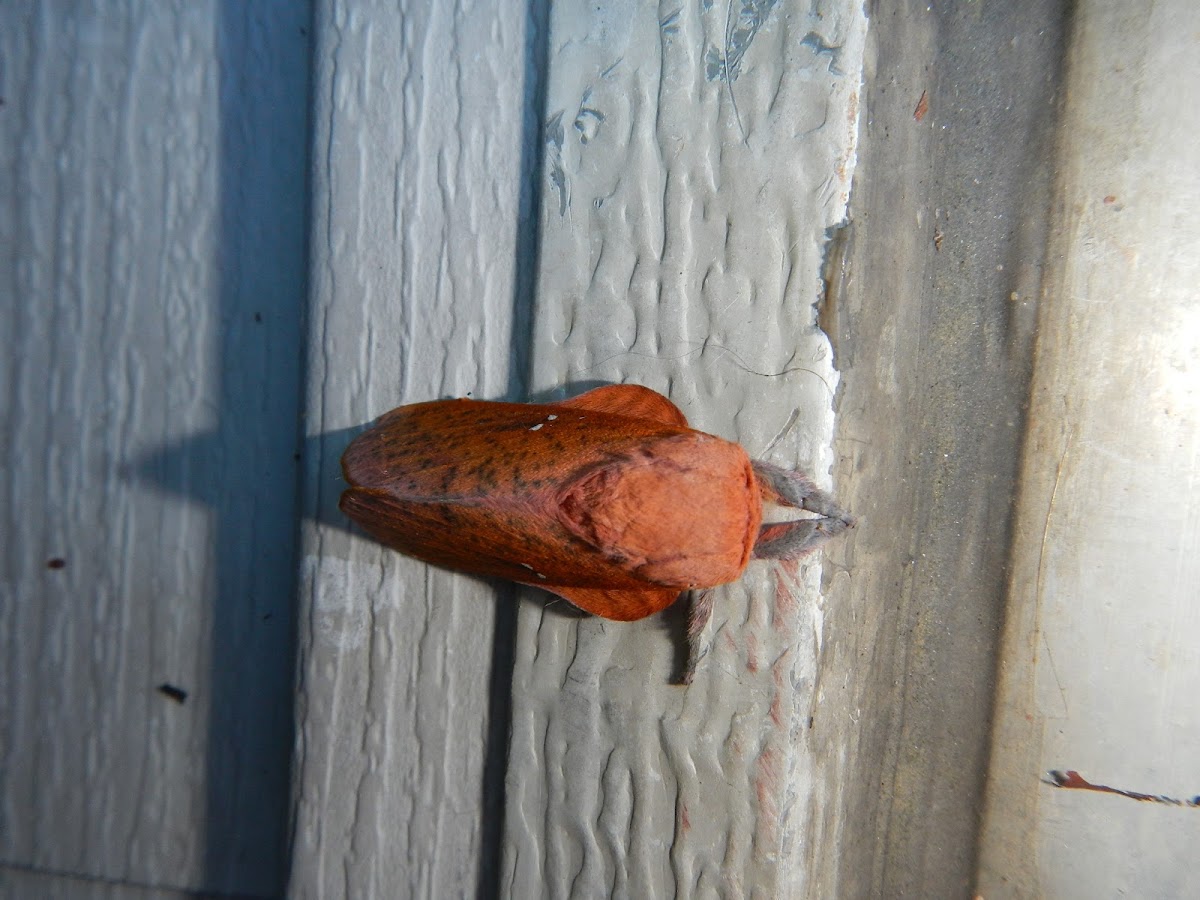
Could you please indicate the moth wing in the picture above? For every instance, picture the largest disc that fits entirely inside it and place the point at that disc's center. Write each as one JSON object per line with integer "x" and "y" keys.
{"x": 630, "y": 400}
{"x": 621, "y": 605}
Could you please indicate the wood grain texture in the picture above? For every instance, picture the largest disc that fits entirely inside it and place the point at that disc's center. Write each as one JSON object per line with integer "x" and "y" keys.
{"x": 416, "y": 248}
{"x": 694, "y": 157}
{"x": 152, "y": 232}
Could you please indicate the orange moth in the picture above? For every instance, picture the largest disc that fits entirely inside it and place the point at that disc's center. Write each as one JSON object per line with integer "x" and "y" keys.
{"x": 608, "y": 500}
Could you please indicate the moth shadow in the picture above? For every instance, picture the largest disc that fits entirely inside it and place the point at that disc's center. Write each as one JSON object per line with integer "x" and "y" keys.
{"x": 199, "y": 468}
{"x": 549, "y": 604}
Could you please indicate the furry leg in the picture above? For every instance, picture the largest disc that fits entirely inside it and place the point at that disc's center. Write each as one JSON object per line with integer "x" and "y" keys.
{"x": 700, "y": 616}
{"x": 789, "y": 540}
{"x": 788, "y": 488}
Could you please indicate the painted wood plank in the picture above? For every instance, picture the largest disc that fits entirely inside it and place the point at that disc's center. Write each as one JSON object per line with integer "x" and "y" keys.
{"x": 421, "y": 176}
{"x": 695, "y": 156}
{"x": 152, "y": 228}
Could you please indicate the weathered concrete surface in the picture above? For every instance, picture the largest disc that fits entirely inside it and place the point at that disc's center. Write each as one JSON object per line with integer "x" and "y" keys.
{"x": 931, "y": 311}
{"x": 1101, "y": 666}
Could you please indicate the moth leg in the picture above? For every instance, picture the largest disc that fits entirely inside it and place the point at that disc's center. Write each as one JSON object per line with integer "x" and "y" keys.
{"x": 789, "y": 540}
{"x": 698, "y": 619}
{"x": 788, "y": 488}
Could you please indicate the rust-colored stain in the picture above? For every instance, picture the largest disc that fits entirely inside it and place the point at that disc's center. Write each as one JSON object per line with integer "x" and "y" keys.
{"x": 922, "y": 107}
{"x": 786, "y": 601}
{"x": 1074, "y": 781}
{"x": 778, "y": 712}
{"x": 767, "y": 790}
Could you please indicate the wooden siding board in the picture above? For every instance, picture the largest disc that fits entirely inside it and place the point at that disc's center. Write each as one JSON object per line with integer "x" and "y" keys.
{"x": 420, "y": 141}
{"x": 681, "y": 247}
{"x": 153, "y": 160}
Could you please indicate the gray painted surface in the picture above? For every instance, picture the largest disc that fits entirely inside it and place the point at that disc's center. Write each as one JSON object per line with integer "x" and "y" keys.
{"x": 419, "y": 270}
{"x": 153, "y": 217}
{"x": 693, "y": 163}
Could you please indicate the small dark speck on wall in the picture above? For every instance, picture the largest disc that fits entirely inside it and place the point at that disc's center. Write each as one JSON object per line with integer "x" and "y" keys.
{"x": 171, "y": 692}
